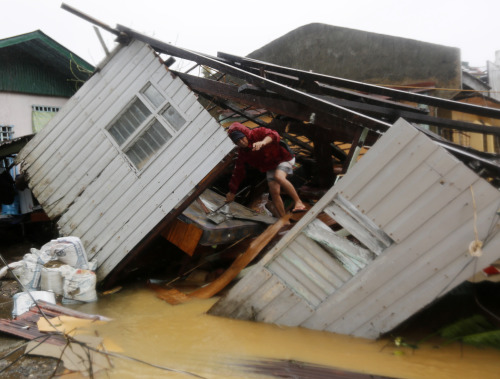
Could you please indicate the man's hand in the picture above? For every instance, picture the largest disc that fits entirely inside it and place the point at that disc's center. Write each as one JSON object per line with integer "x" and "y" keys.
{"x": 260, "y": 144}
{"x": 230, "y": 197}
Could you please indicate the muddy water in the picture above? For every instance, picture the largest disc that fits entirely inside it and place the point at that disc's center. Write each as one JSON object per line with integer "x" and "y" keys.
{"x": 184, "y": 337}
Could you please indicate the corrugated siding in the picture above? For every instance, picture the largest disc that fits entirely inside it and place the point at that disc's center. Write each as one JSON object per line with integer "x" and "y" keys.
{"x": 413, "y": 200}
{"x": 78, "y": 173}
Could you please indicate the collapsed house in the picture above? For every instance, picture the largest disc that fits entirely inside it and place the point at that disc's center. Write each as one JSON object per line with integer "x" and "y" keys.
{"x": 134, "y": 148}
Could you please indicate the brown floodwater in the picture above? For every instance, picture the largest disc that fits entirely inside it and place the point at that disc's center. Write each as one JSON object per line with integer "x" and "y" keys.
{"x": 183, "y": 337}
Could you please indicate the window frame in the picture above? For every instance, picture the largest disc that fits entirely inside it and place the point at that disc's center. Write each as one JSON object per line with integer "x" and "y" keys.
{"x": 154, "y": 116}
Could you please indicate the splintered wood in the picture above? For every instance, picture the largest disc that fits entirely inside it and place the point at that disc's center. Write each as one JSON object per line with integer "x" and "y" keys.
{"x": 174, "y": 296}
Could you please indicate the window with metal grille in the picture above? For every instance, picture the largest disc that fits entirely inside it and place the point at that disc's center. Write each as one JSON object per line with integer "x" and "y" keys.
{"x": 6, "y": 132}
{"x": 146, "y": 125}
{"x": 43, "y": 108}
{"x": 41, "y": 115}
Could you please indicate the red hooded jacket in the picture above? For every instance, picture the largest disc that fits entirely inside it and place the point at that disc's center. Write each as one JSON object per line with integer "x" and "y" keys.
{"x": 265, "y": 159}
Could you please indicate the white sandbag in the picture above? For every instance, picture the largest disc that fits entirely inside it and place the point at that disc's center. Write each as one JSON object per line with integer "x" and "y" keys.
{"x": 29, "y": 276}
{"x": 23, "y": 301}
{"x": 79, "y": 284}
{"x": 16, "y": 267}
{"x": 51, "y": 278}
{"x": 42, "y": 255}
{"x": 70, "y": 251}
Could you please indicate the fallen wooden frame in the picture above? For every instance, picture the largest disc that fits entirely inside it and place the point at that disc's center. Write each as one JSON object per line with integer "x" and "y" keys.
{"x": 174, "y": 296}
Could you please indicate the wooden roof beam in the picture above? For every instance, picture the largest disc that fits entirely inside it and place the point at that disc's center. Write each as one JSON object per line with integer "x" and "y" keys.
{"x": 344, "y": 130}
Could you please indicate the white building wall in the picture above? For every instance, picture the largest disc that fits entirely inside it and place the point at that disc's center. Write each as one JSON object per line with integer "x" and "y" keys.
{"x": 15, "y": 109}
{"x": 494, "y": 76}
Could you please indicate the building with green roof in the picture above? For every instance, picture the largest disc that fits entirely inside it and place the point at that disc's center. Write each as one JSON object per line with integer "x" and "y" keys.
{"x": 37, "y": 76}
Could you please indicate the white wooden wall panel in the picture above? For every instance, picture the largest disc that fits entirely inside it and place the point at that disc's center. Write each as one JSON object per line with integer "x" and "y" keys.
{"x": 120, "y": 183}
{"x": 82, "y": 147}
{"x": 43, "y": 139}
{"x": 384, "y": 151}
{"x": 63, "y": 143}
{"x": 141, "y": 191}
{"x": 80, "y": 175}
{"x": 391, "y": 207}
{"x": 295, "y": 315}
{"x": 404, "y": 289}
{"x": 129, "y": 196}
{"x": 86, "y": 203}
{"x": 421, "y": 198}
{"x": 429, "y": 203}
{"x": 81, "y": 137}
{"x": 283, "y": 303}
{"x": 247, "y": 286}
{"x": 164, "y": 200}
{"x": 328, "y": 268}
{"x": 296, "y": 280}
{"x": 81, "y": 178}
{"x": 390, "y": 175}
{"x": 449, "y": 271}
{"x": 399, "y": 259}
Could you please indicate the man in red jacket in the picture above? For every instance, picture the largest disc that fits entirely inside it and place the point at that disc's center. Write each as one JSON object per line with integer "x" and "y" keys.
{"x": 260, "y": 148}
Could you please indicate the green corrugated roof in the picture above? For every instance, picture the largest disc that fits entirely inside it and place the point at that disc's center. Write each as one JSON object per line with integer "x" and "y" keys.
{"x": 35, "y": 63}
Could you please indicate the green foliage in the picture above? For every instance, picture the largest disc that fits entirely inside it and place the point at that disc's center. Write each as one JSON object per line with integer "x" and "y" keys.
{"x": 491, "y": 338}
{"x": 475, "y": 330}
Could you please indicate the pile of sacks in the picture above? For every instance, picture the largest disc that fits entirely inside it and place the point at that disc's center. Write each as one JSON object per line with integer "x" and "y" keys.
{"x": 60, "y": 266}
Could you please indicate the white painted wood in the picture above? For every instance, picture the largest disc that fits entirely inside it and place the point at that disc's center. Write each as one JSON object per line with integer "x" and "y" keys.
{"x": 400, "y": 258}
{"x": 418, "y": 182}
{"x": 82, "y": 176}
{"x": 90, "y": 198}
{"x": 87, "y": 92}
{"x": 91, "y": 109}
{"x": 396, "y": 171}
{"x": 329, "y": 267}
{"x": 80, "y": 179}
{"x": 283, "y": 303}
{"x": 139, "y": 201}
{"x": 404, "y": 287}
{"x": 299, "y": 226}
{"x": 309, "y": 272}
{"x": 295, "y": 315}
{"x": 430, "y": 203}
{"x": 352, "y": 224}
{"x": 117, "y": 191}
{"x": 133, "y": 196}
{"x": 426, "y": 208}
{"x": 244, "y": 288}
{"x": 383, "y": 239}
{"x": 82, "y": 147}
{"x": 83, "y": 139}
{"x": 384, "y": 151}
{"x": 301, "y": 286}
{"x": 149, "y": 217}
{"x": 264, "y": 295}
{"x": 352, "y": 257}
{"x": 448, "y": 277}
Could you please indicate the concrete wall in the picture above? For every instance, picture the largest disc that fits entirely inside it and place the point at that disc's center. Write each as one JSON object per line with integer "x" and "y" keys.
{"x": 364, "y": 56}
{"x": 15, "y": 109}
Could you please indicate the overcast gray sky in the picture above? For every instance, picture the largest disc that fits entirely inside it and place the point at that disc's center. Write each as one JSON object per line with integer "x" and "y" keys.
{"x": 240, "y": 27}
